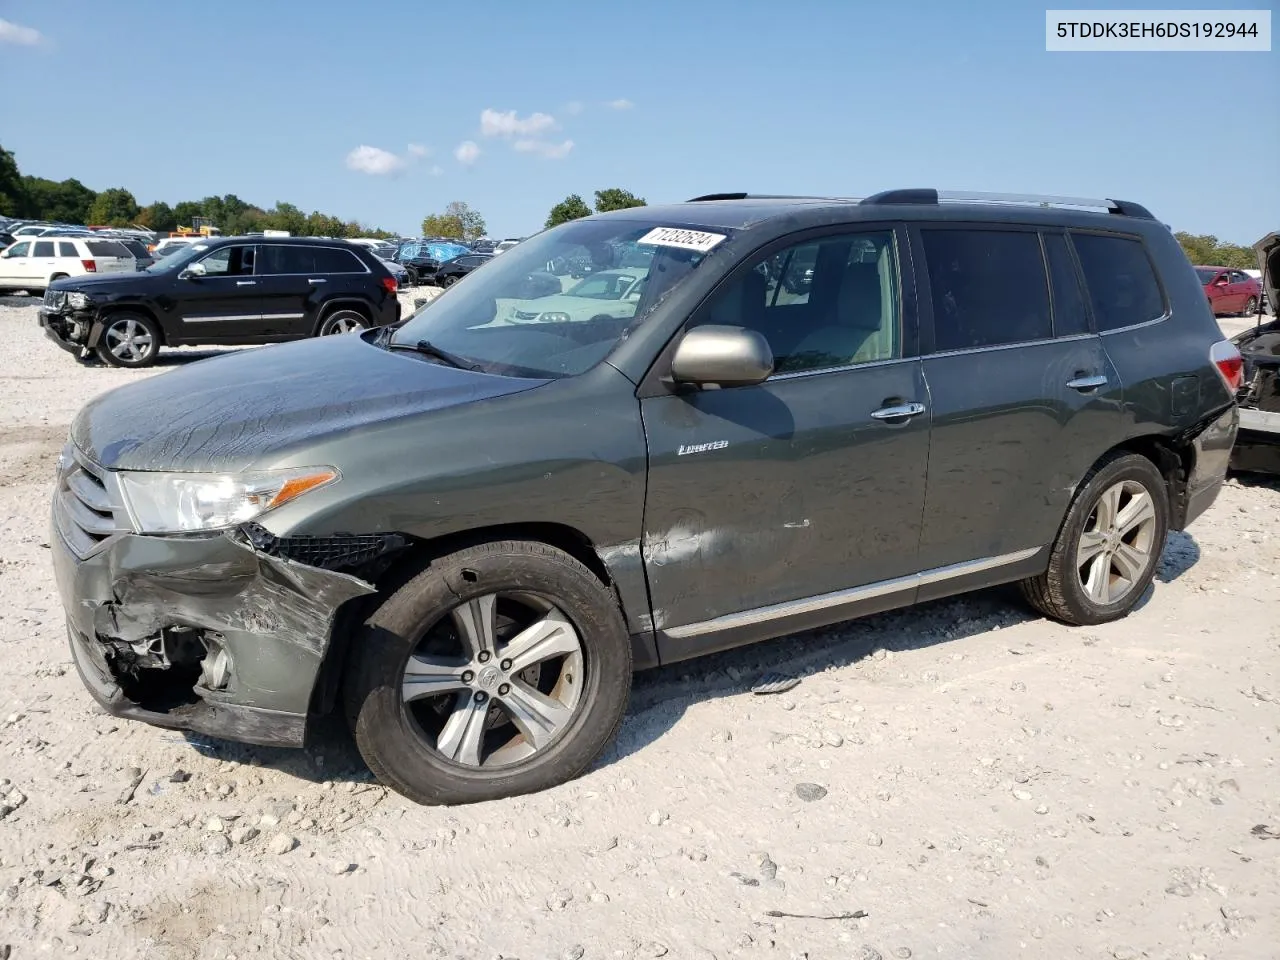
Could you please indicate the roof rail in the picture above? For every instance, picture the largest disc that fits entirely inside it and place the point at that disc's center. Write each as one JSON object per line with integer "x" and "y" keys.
{"x": 928, "y": 195}
{"x": 764, "y": 196}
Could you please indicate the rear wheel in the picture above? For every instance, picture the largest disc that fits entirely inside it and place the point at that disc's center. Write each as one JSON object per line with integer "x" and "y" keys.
{"x": 449, "y": 281}
{"x": 499, "y": 670}
{"x": 1106, "y": 552}
{"x": 1250, "y": 307}
{"x": 58, "y": 276}
{"x": 343, "y": 320}
{"x": 129, "y": 340}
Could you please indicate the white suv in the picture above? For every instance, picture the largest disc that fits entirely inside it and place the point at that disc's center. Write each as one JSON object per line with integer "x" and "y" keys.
{"x": 33, "y": 263}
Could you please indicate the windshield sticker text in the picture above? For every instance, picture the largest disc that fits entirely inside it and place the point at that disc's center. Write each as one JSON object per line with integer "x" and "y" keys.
{"x": 684, "y": 239}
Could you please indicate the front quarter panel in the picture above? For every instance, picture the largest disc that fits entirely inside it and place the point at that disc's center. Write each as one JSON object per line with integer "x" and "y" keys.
{"x": 570, "y": 453}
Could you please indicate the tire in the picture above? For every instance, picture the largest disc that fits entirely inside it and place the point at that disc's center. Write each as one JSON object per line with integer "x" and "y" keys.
{"x": 129, "y": 340}
{"x": 449, "y": 281}
{"x": 342, "y": 320}
{"x": 404, "y": 741}
{"x": 57, "y": 276}
{"x": 1063, "y": 591}
{"x": 1250, "y": 307}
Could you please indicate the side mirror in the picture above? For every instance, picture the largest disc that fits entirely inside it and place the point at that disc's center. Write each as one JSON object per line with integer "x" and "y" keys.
{"x": 1221, "y": 282}
{"x": 723, "y": 356}
{"x": 192, "y": 271}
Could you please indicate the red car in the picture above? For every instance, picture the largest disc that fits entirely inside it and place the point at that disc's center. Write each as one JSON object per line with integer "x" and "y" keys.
{"x": 1230, "y": 291}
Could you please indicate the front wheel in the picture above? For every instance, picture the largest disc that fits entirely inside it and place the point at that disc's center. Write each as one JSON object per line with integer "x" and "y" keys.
{"x": 1250, "y": 307}
{"x": 343, "y": 321}
{"x": 448, "y": 281}
{"x": 129, "y": 340}
{"x": 1106, "y": 553}
{"x": 499, "y": 670}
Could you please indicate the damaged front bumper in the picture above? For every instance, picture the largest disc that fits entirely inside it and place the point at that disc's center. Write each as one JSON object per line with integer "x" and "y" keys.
{"x": 212, "y": 634}
{"x": 73, "y": 332}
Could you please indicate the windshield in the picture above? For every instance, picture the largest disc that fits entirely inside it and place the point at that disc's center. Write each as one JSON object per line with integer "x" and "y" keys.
{"x": 176, "y": 255}
{"x": 526, "y": 314}
{"x": 1206, "y": 274}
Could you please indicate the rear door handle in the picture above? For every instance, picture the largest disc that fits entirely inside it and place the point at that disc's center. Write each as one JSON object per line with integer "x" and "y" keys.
{"x": 316, "y": 280}
{"x": 1084, "y": 384}
{"x": 898, "y": 411}
{"x": 246, "y": 283}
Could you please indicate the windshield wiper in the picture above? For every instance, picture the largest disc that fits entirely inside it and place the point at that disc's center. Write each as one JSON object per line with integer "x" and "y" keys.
{"x": 427, "y": 348}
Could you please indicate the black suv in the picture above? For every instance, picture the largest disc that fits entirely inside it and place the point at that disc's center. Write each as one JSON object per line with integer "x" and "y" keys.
{"x": 471, "y": 527}
{"x": 235, "y": 290}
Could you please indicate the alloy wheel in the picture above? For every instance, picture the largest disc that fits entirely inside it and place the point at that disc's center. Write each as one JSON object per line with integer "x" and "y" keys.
{"x": 495, "y": 681}
{"x": 1117, "y": 542}
{"x": 128, "y": 340}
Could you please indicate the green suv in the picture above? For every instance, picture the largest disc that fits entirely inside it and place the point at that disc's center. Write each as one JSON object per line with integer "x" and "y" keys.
{"x": 467, "y": 532}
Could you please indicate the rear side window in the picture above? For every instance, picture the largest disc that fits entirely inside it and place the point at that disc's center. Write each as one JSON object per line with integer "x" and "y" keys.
{"x": 988, "y": 288}
{"x": 1069, "y": 316}
{"x": 67, "y": 250}
{"x": 282, "y": 259}
{"x": 1121, "y": 281}
{"x": 333, "y": 260}
{"x": 106, "y": 248}
{"x": 44, "y": 248}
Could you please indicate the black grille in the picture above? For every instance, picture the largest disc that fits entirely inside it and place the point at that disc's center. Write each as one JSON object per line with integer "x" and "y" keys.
{"x": 336, "y": 552}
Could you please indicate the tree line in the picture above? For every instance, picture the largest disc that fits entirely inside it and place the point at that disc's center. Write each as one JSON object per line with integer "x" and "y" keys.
{"x": 70, "y": 201}
{"x": 1212, "y": 252}
{"x": 573, "y": 207}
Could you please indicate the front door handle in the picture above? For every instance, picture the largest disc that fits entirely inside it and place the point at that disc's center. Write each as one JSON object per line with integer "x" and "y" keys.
{"x": 246, "y": 283}
{"x": 316, "y": 280}
{"x": 1085, "y": 384}
{"x": 899, "y": 411}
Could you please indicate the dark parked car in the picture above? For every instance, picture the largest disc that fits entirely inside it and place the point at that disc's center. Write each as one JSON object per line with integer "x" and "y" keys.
{"x": 469, "y": 530}
{"x": 1258, "y": 445}
{"x": 141, "y": 255}
{"x": 222, "y": 291}
{"x": 451, "y": 271}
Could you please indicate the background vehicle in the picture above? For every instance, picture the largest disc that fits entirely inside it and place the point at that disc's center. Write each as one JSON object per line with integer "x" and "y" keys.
{"x": 1258, "y": 444}
{"x": 505, "y": 245}
{"x": 172, "y": 244}
{"x": 222, "y": 291}
{"x": 33, "y": 263}
{"x": 602, "y": 295}
{"x": 451, "y": 271}
{"x": 396, "y": 270}
{"x": 487, "y": 526}
{"x": 1229, "y": 291}
{"x": 422, "y": 258}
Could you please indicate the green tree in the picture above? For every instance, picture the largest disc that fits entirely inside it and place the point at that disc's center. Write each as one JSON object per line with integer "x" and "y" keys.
{"x": 67, "y": 201}
{"x": 458, "y": 220}
{"x": 572, "y": 207}
{"x": 185, "y": 212}
{"x": 115, "y": 206}
{"x": 1211, "y": 252}
{"x": 157, "y": 216}
{"x": 13, "y": 194}
{"x": 285, "y": 216}
{"x": 615, "y": 198}
{"x": 323, "y": 225}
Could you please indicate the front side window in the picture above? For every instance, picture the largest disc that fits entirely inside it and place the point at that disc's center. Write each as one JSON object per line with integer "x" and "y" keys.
{"x": 19, "y": 249}
{"x": 832, "y": 302}
{"x": 1206, "y": 274}
{"x": 44, "y": 248}
{"x": 988, "y": 288}
{"x": 229, "y": 261}
{"x": 1121, "y": 281}
{"x": 515, "y": 318}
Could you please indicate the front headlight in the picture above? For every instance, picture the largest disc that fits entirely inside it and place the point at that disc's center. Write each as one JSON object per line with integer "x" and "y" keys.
{"x": 78, "y": 301}
{"x": 186, "y": 502}
{"x": 554, "y": 318}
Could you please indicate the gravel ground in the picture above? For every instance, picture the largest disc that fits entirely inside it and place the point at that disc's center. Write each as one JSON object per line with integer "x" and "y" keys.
{"x": 959, "y": 780}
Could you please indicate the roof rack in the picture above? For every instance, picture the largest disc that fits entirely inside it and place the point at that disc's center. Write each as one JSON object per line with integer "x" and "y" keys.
{"x": 765, "y": 196}
{"x": 928, "y": 195}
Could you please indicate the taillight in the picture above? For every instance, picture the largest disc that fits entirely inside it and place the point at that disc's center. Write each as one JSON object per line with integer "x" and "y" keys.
{"x": 1230, "y": 364}
{"x": 389, "y": 284}
{"x": 90, "y": 266}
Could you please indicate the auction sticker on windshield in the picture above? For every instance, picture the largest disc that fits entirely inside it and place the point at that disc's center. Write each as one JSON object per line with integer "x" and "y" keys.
{"x": 684, "y": 239}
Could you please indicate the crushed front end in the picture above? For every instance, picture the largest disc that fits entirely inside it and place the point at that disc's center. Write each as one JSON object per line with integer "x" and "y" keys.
{"x": 1257, "y": 447}
{"x": 221, "y": 633}
{"x": 67, "y": 319}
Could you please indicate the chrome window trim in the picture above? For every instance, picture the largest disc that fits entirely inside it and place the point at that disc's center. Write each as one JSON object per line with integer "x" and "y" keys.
{"x": 790, "y": 608}
{"x": 844, "y": 368}
{"x": 1010, "y": 346}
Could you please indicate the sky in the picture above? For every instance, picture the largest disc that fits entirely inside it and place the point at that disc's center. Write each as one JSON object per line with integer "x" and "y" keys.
{"x": 386, "y": 111}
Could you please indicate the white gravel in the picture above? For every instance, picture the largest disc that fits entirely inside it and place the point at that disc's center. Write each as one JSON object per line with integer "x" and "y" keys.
{"x": 958, "y": 780}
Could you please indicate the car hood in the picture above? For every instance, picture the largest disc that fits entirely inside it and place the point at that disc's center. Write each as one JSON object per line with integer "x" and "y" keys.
{"x": 104, "y": 281}
{"x": 1268, "y": 253}
{"x": 561, "y": 303}
{"x": 243, "y": 409}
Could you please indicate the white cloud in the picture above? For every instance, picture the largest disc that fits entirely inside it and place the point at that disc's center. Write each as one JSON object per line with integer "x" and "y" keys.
{"x": 552, "y": 151}
{"x": 436, "y": 170}
{"x": 620, "y": 104}
{"x": 468, "y": 152}
{"x": 374, "y": 161}
{"x": 22, "y": 36}
{"x": 418, "y": 150}
{"x": 496, "y": 124}
{"x": 574, "y": 107}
